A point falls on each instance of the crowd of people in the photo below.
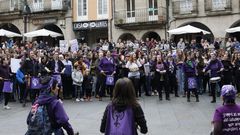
(122, 71)
(191, 68)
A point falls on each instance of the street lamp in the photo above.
(26, 11)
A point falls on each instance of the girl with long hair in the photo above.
(124, 110)
(134, 72)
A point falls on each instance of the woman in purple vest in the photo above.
(5, 76)
(190, 70)
(106, 68)
(226, 117)
(215, 66)
(124, 114)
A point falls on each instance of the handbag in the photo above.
(7, 87)
(192, 83)
(110, 80)
(35, 83)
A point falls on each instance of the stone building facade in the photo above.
(137, 19)
(55, 15)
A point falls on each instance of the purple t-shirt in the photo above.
(229, 115)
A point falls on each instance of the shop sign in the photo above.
(90, 25)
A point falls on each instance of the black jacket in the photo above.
(51, 66)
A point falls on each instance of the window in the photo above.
(130, 10)
(57, 4)
(38, 5)
(186, 6)
(153, 8)
(12, 4)
(102, 9)
(82, 9)
(219, 4)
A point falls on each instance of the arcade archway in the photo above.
(51, 41)
(197, 36)
(151, 35)
(236, 34)
(127, 36)
(13, 28)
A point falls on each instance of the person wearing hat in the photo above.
(227, 117)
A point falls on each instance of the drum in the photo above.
(215, 79)
(7, 87)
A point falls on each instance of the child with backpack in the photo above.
(124, 114)
(77, 78)
(47, 115)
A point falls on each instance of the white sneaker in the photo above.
(6, 107)
(77, 100)
(81, 99)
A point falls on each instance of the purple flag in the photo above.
(7, 87)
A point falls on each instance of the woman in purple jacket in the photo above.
(107, 68)
(56, 112)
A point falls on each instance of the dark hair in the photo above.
(54, 84)
(124, 93)
(228, 101)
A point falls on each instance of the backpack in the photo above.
(39, 121)
(120, 123)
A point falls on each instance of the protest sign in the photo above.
(63, 45)
(74, 45)
(15, 64)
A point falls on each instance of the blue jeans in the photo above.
(180, 80)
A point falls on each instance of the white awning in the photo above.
(9, 33)
(187, 30)
(42, 32)
(233, 30)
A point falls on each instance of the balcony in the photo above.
(185, 8)
(7, 6)
(140, 18)
(218, 7)
(47, 5)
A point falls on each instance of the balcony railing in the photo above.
(9, 6)
(217, 6)
(140, 16)
(185, 7)
(47, 5)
